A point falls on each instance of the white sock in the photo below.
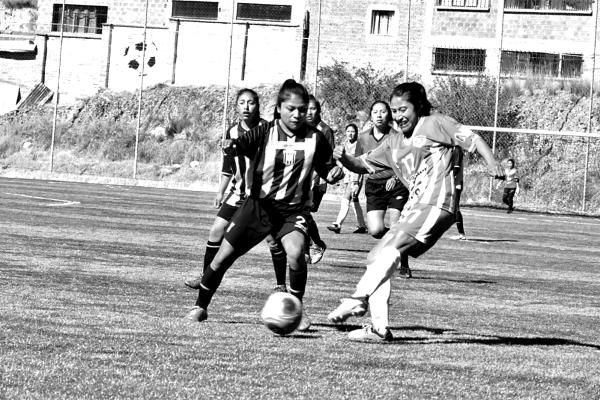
(379, 303)
(344, 207)
(378, 271)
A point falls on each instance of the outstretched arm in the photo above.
(494, 167)
(349, 161)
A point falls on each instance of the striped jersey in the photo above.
(237, 166)
(367, 142)
(425, 160)
(282, 165)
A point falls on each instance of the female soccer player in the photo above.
(384, 192)
(423, 157)
(353, 183)
(511, 184)
(319, 185)
(284, 152)
(235, 170)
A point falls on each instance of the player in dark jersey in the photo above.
(319, 186)
(284, 154)
(234, 170)
(385, 193)
(423, 158)
(458, 181)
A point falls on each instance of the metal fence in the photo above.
(557, 146)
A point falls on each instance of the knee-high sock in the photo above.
(211, 279)
(298, 282)
(378, 271)
(212, 248)
(279, 264)
(344, 207)
(360, 218)
(313, 232)
(379, 303)
(459, 222)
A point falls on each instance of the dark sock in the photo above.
(279, 265)
(313, 233)
(211, 280)
(212, 248)
(298, 283)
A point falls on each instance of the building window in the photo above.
(521, 63)
(381, 22)
(264, 12)
(463, 3)
(195, 9)
(458, 60)
(549, 5)
(79, 19)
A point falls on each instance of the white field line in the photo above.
(58, 202)
(563, 219)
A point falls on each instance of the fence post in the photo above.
(318, 48)
(175, 45)
(107, 74)
(500, 33)
(226, 99)
(407, 41)
(57, 91)
(139, 112)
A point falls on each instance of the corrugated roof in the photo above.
(38, 96)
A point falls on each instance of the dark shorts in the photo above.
(230, 205)
(256, 219)
(380, 199)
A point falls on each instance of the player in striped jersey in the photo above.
(284, 154)
(319, 185)
(234, 171)
(424, 157)
(385, 193)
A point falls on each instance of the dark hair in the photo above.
(416, 95)
(317, 103)
(254, 95)
(511, 160)
(289, 88)
(387, 107)
(353, 125)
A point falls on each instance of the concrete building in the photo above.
(188, 42)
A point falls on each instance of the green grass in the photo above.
(91, 300)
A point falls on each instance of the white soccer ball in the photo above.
(282, 313)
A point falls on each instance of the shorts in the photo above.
(257, 218)
(230, 206)
(380, 199)
(426, 223)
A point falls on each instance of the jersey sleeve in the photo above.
(249, 143)
(227, 168)
(458, 134)
(377, 159)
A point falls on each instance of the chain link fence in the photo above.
(149, 100)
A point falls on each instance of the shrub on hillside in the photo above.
(345, 92)
(19, 3)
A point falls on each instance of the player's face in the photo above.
(351, 134)
(312, 114)
(379, 116)
(293, 112)
(404, 115)
(247, 106)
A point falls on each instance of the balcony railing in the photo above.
(549, 5)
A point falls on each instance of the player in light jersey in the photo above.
(385, 193)
(353, 182)
(511, 185)
(319, 185)
(284, 154)
(234, 171)
(424, 159)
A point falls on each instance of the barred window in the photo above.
(381, 22)
(571, 65)
(79, 19)
(195, 9)
(458, 60)
(549, 5)
(463, 3)
(520, 63)
(264, 12)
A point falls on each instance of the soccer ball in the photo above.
(282, 313)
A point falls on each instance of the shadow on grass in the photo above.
(484, 240)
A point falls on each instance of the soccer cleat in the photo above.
(305, 322)
(361, 229)
(349, 308)
(316, 253)
(335, 227)
(307, 257)
(280, 289)
(368, 333)
(198, 314)
(194, 282)
(460, 236)
(405, 272)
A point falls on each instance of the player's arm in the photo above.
(324, 164)
(349, 161)
(223, 184)
(248, 143)
(494, 167)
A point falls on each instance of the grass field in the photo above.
(92, 300)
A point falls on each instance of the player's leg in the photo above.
(358, 212)
(279, 259)
(397, 201)
(318, 246)
(336, 227)
(505, 197)
(510, 194)
(377, 204)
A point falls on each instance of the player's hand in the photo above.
(391, 183)
(218, 200)
(339, 152)
(495, 169)
(355, 189)
(334, 175)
